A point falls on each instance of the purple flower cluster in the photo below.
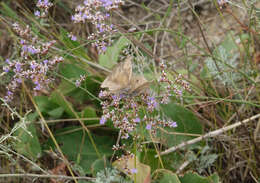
(32, 63)
(43, 6)
(177, 86)
(97, 12)
(124, 111)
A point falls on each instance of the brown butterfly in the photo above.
(122, 80)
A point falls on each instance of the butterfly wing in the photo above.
(120, 76)
(138, 85)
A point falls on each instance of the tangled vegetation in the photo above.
(118, 91)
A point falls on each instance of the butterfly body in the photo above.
(122, 81)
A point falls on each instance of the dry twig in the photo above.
(210, 134)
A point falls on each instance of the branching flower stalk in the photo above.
(97, 12)
(33, 63)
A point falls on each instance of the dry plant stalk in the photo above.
(208, 135)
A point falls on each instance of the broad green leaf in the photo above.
(89, 112)
(195, 178)
(78, 148)
(45, 104)
(169, 177)
(99, 165)
(67, 87)
(147, 156)
(187, 123)
(90, 86)
(171, 161)
(48, 107)
(58, 99)
(56, 113)
(71, 71)
(28, 144)
(109, 59)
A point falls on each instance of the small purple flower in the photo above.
(33, 65)
(107, 3)
(137, 120)
(77, 83)
(102, 120)
(37, 87)
(104, 48)
(22, 41)
(101, 94)
(152, 103)
(114, 97)
(19, 80)
(173, 124)
(73, 38)
(121, 96)
(32, 50)
(85, 2)
(45, 61)
(25, 48)
(37, 13)
(125, 119)
(7, 61)
(125, 136)
(85, 16)
(148, 127)
(9, 93)
(18, 67)
(133, 171)
(101, 29)
(133, 105)
(46, 2)
(6, 69)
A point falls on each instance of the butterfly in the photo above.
(122, 80)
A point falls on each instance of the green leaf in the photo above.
(187, 123)
(89, 112)
(99, 165)
(7, 11)
(71, 71)
(56, 113)
(67, 87)
(169, 177)
(77, 146)
(56, 98)
(90, 85)
(45, 104)
(28, 144)
(195, 178)
(147, 156)
(171, 161)
(109, 59)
